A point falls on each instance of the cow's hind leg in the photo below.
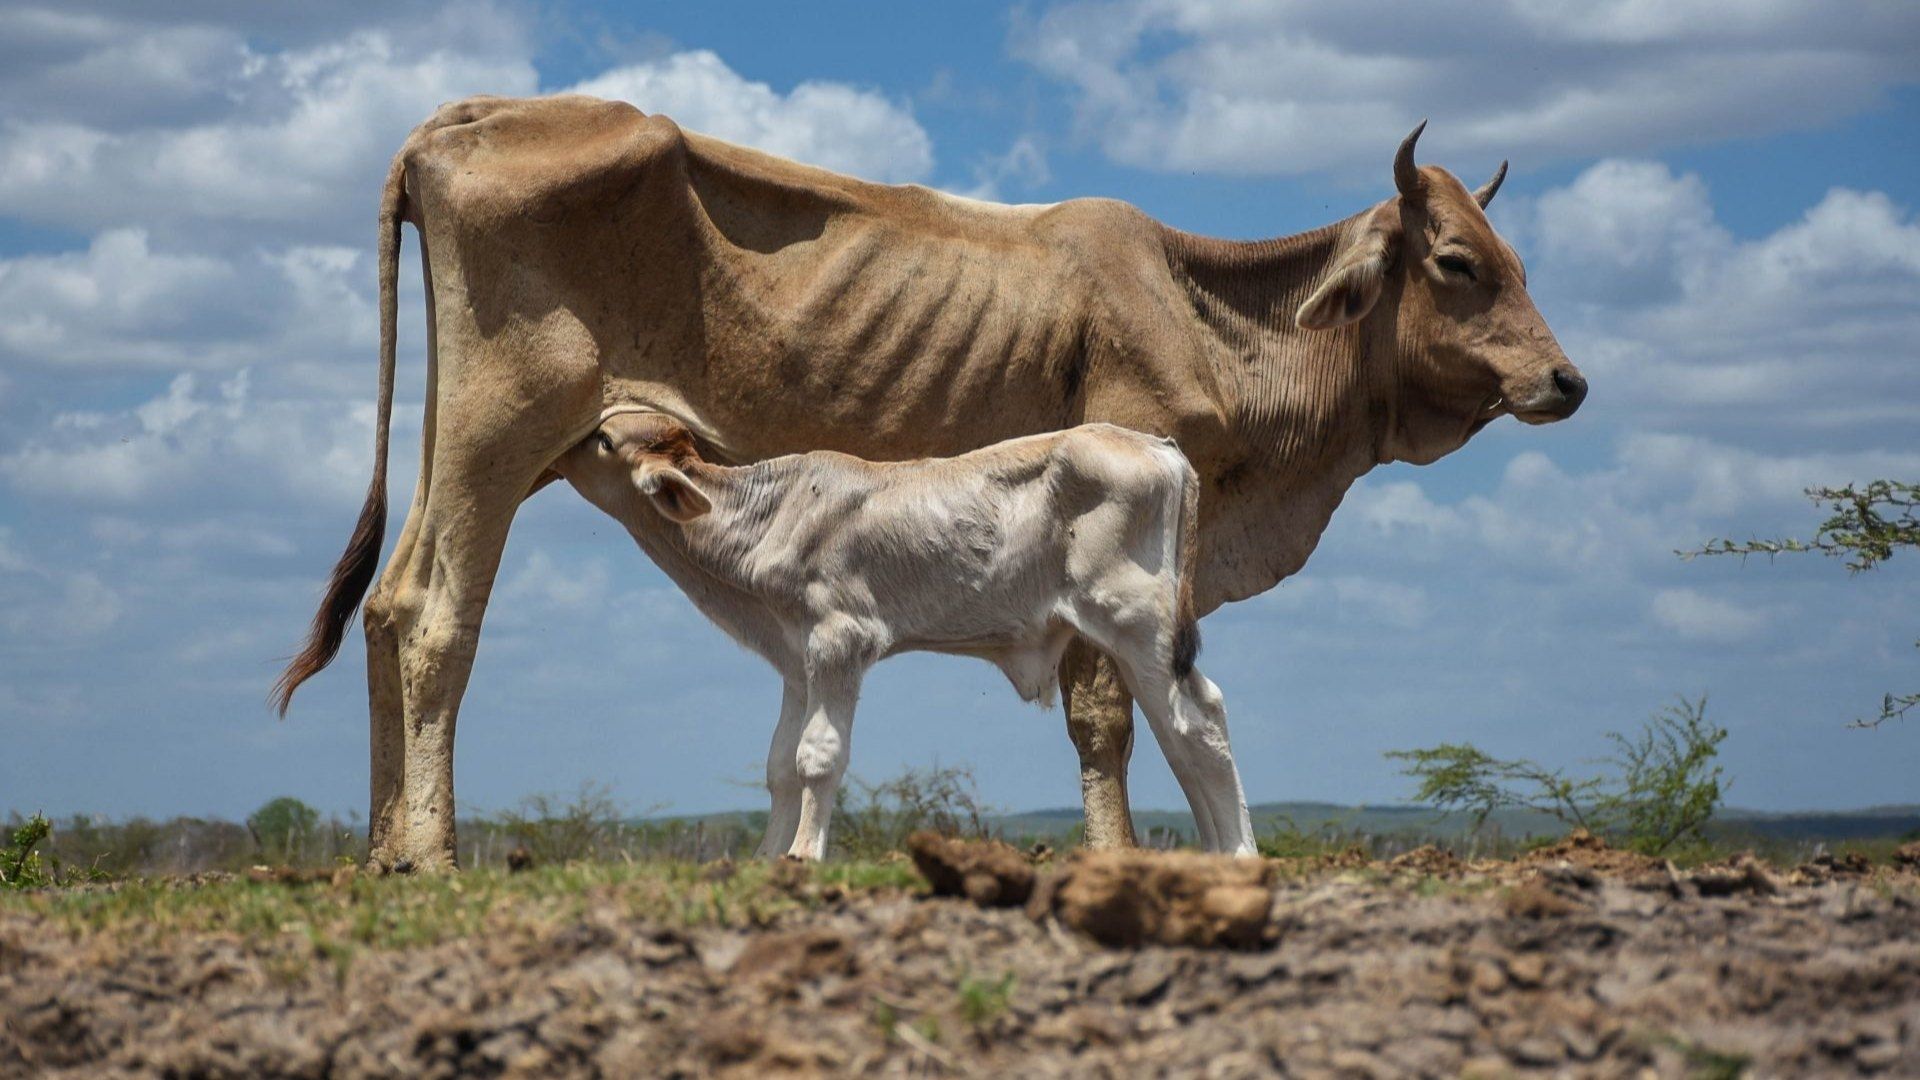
(429, 611)
(1100, 722)
(386, 823)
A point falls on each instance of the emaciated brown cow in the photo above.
(580, 254)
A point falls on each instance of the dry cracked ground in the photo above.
(1576, 961)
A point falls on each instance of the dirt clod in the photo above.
(1429, 860)
(1131, 898)
(1742, 873)
(1529, 900)
(987, 872)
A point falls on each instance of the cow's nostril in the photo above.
(1571, 385)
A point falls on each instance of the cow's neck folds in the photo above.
(1295, 394)
(1309, 407)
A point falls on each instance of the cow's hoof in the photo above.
(382, 863)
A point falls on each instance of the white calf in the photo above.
(826, 564)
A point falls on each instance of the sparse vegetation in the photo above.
(21, 865)
(591, 825)
(1288, 840)
(1663, 791)
(981, 1000)
(1866, 526)
(283, 829)
(873, 820)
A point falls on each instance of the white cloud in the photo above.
(1696, 616)
(125, 303)
(1618, 524)
(1810, 326)
(301, 144)
(1354, 599)
(1290, 86)
(183, 443)
(1023, 165)
(64, 607)
(12, 561)
(829, 124)
(575, 588)
(1628, 231)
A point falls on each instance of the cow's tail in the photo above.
(1186, 626)
(354, 572)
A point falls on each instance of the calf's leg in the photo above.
(1201, 715)
(1100, 722)
(826, 738)
(783, 775)
(1186, 713)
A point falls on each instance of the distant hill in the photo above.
(1876, 822)
(1426, 823)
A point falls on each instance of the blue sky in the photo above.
(1716, 202)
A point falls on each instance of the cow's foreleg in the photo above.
(1100, 722)
(783, 775)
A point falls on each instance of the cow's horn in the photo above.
(1486, 191)
(1405, 176)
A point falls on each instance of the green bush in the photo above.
(1664, 789)
(284, 829)
(21, 866)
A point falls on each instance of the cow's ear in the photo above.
(1352, 285)
(672, 493)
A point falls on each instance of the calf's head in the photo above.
(636, 458)
(1441, 303)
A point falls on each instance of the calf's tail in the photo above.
(1186, 628)
(354, 572)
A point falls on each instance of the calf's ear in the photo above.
(672, 493)
(1352, 284)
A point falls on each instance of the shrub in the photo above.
(1866, 526)
(1664, 790)
(283, 828)
(876, 819)
(21, 866)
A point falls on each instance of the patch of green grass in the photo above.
(402, 912)
(1703, 1062)
(983, 999)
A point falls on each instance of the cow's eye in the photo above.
(1454, 264)
(606, 443)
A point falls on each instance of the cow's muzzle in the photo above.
(1557, 401)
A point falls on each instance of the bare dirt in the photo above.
(1577, 961)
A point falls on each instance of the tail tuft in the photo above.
(345, 588)
(1186, 647)
(1186, 631)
